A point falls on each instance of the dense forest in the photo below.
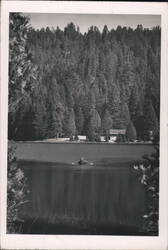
(86, 84)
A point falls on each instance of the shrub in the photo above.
(148, 173)
(76, 137)
(120, 138)
(107, 137)
(98, 138)
(71, 138)
(17, 191)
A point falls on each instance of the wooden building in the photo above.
(114, 134)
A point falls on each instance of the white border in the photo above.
(86, 242)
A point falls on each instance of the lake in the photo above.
(67, 198)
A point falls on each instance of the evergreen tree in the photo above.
(150, 119)
(40, 123)
(131, 132)
(79, 119)
(133, 103)
(21, 80)
(21, 70)
(84, 72)
(70, 127)
(93, 125)
(114, 106)
(106, 124)
(140, 126)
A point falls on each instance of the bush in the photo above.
(76, 137)
(120, 138)
(71, 138)
(17, 191)
(107, 138)
(148, 173)
(98, 137)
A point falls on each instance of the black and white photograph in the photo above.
(84, 108)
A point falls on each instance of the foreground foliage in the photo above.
(17, 191)
(21, 70)
(21, 82)
(148, 173)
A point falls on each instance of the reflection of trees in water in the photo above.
(83, 197)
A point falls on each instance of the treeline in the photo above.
(89, 83)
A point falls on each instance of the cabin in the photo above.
(115, 134)
(82, 137)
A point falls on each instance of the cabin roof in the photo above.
(117, 131)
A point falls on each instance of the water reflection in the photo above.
(83, 199)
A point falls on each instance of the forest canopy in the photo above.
(87, 83)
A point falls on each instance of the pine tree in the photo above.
(150, 119)
(21, 70)
(133, 103)
(79, 119)
(21, 79)
(114, 106)
(70, 126)
(105, 33)
(131, 132)
(116, 67)
(106, 124)
(93, 125)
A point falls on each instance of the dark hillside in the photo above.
(88, 80)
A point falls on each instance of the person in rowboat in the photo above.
(82, 161)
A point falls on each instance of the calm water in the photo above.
(65, 199)
(106, 198)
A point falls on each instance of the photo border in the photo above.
(18, 241)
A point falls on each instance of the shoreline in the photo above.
(82, 142)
